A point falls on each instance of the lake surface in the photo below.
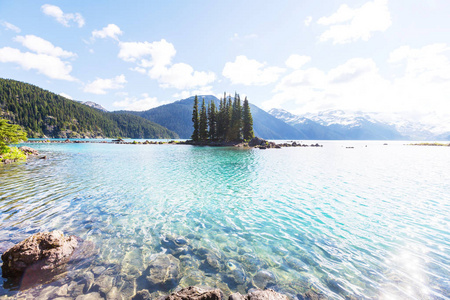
(370, 222)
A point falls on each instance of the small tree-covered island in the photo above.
(230, 124)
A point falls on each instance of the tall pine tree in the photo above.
(203, 126)
(212, 120)
(236, 119)
(195, 119)
(247, 120)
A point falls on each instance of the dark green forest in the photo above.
(230, 122)
(43, 113)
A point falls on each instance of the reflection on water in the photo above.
(371, 222)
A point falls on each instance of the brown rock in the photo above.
(312, 295)
(195, 293)
(28, 150)
(259, 295)
(43, 252)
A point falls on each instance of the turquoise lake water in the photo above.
(370, 222)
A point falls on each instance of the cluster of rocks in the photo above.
(29, 152)
(263, 144)
(43, 260)
(205, 293)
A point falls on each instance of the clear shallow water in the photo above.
(372, 222)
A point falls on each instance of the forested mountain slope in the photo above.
(43, 113)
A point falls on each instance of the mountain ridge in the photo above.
(45, 114)
(339, 124)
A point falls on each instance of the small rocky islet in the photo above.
(51, 265)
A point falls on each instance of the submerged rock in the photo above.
(142, 295)
(312, 295)
(162, 273)
(252, 262)
(175, 245)
(259, 295)
(235, 274)
(195, 293)
(263, 279)
(41, 254)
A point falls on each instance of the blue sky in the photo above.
(303, 56)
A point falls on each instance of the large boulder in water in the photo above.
(195, 293)
(43, 253)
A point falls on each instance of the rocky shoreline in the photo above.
(256, 142)
(29, 152)
(50, 265)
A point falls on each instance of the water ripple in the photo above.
(372, 223)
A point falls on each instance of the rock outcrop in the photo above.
(259, 295)
(195, 293)
(28, 150)
(42, 253)
(256, 141)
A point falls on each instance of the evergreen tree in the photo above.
(219, 123)
(203, 126)
(10, 134)
(228, 118)
(212, 120)
(236, 119)
(195, 118)
(247, 120)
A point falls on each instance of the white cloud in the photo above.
(420, 89)
(250, 72)
(351, 24)
(181, 76)
(206, 90)
(156, 58)
(9, 26)
(160, 52)
(50, 66)
(138, 104)
(66, 96)
(308, 21)
(356, 83)
(61, 17)
(99, 86)
(112, 31)
(139, 70)
(430, 63)
(41, 46)
(296, 61)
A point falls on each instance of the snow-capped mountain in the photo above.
(338, 124)
(95, 105)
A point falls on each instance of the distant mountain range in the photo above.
(340, 125)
